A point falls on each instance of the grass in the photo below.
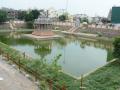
(106, 78)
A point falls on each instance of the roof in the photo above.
(43, 20)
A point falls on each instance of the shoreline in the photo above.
(89, 36)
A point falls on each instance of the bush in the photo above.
(116, 44)
(99, 34)
(29, 17)
(63, 17)
(30, 24)
(21, 15)
(35, 13)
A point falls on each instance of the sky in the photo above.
(89, 7)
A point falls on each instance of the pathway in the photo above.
(11, 79)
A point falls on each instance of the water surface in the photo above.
(79, 56)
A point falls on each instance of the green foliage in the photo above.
(35, 13)
(116, 45)
(43, 85)
(109, 55)
(21, 15)
(29, 17)
(63, 17)
(32, 15)
(99, 34)
(84, 20)
(30, 24)
(106, 78)
(105, 20)
(3, 16)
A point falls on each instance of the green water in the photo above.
(79, 56)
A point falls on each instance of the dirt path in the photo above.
(11, 79)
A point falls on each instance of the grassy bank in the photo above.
(41, 70)
(106, 78)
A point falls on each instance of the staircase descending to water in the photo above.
(73, 29)
(12, 25)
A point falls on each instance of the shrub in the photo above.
(99, 34)
(30, 24)
(29, 17)
(116, 44)
(63, 17)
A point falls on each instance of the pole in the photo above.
(24, 54)
(66, 5)
(81, 82)
(19, 63)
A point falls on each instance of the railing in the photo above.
(33, 73)
(64, 23)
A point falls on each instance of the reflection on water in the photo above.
(79, 56)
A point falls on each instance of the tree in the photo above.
(84, 20)
(21, 15)
(63, 17)
(32, 15)
(29, 20)
(116, 44)
(29, 17)
(105, 20)
(3, 16)
(35, 13)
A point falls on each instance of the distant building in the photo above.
(80, 16)
(96, 19)
(115, 15)
(11, 13)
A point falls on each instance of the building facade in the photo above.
(115, 15)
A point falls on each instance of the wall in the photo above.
(115, 15)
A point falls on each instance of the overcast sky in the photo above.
(90, 7)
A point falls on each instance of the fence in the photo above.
(64, 25)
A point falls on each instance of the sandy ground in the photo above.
(11, 79)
